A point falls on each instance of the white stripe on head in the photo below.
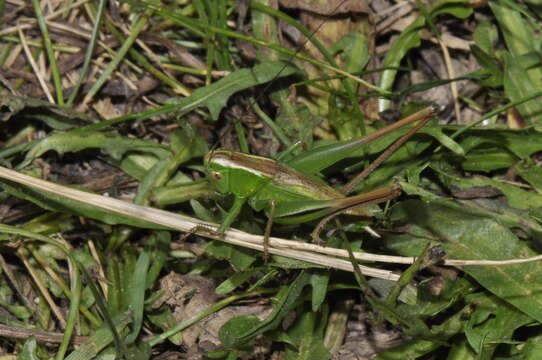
(228, 163)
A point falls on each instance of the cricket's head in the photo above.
(215, 165)
(238, 173)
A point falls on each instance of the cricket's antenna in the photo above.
(277, 75)
(297, 51)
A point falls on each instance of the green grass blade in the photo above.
(104, 309)
(136, 294)
(57, 81)
(89, 52)
(99, 340)
(106, 74)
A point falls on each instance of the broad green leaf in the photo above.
(492, 69)
(239, 258)
(467, 236)
(57, 117)
(157, 174)
(428, 304)
(140, 351)
(455, 8)
(319, 281)
(112, 144)
(409, 39)
(285, 302)
(30, 349)
(188, 137)
(531, 173)
(354, 47)
(532, 349)
(519, 34)
(502, 213)
(136, 165)
(234, 328)
(98, 340)
(201, 211)
(418, 347)
(492, 322)
(165, 320)
(519, 84)
(516, 197)
(185, 145)
(218, 250)
(485, 37)
(443, 139)
(413, 349)
(536, 3)
(159, 246)
(308, 343)
(216, 95)
(63, 204)
(522, 143)
(178, 193)
(324, 155)
(234, 281)
(19, 311)
(488, 160)
(461, 350)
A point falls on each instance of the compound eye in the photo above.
(216, 175)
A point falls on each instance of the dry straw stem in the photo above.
(32, 22)
(35, 67)
(323, 256)
(17, 332)
(188, 224)
(43, 289)
(451, 75)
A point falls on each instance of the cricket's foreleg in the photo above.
(238, 203)
(267, 233)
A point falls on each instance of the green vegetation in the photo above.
(123, 236)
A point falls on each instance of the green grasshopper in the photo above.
(283, 191)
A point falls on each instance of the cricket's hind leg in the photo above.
(267, 233)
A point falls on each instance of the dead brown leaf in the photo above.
(189, 295)
(476, 192)
(106, 109)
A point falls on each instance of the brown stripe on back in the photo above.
(290, 177)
